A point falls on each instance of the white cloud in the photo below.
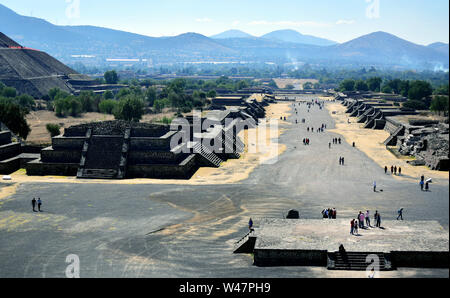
(204, 20)
(235, 23)
(345, 22)
(290, 23)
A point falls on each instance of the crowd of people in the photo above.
(329, 213)
(394, 170)
(362, 221)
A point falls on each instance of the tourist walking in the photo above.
(392, 170)
(343, 162)
(356, 227)
(422, 183)
(352, 227)
(250, 224)
(427, 186)
(400, 214)
(395, 170)
(399, 171)
(374, 186)
(33, 203)
(385, 170)
(39, 203)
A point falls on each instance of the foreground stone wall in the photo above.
(275, 258)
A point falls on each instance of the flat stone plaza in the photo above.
(184, 230)
(328, 235)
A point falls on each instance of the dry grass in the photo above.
(39, 119)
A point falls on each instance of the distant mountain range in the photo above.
(69, 43)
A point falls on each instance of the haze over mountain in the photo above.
(69, 43)
(296, 37)
(440, 46)
(232, 34)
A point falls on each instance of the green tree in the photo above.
(212, 94)
(439, 104)
(419, 90)
(53, 129)
(160, 104)
(289, 87)
(53, 92)
(361, 86)
(111, 77)
(130, 108)
(374, 83)
(442, 90)
(108, 95)
(86, 99)
(415, 105)
(9, 92)
(347, 85)
(107, 106)
(25, 101)
(150, 95)
(308, 86)
(13, 116)
(386, 89)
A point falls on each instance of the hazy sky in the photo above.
(420, 21)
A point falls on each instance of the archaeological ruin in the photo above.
(120, 149)
(410, 134)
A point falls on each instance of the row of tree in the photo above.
(13, 110)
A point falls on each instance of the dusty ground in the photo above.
(179, 230)
(39, 119)
(297, 83)
(371, 141)
(231, 171)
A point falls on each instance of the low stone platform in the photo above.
(308, 242)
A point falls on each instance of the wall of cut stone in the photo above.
(274, 257)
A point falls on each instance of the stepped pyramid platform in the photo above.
(284, 242)
(11, 156)
(119, 149)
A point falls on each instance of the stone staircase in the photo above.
(207, 154)
(392, 140)
(356, 261)
(104, 157)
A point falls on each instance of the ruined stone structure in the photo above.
(11, 156)
(427, 141)
(119, 149)
(373, 112)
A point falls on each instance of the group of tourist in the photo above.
(394, 170)
(329, 213)
(337, 141)
(37, 202)
(362, 221)
(341, 161)
(424, 185)
(306, 141)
